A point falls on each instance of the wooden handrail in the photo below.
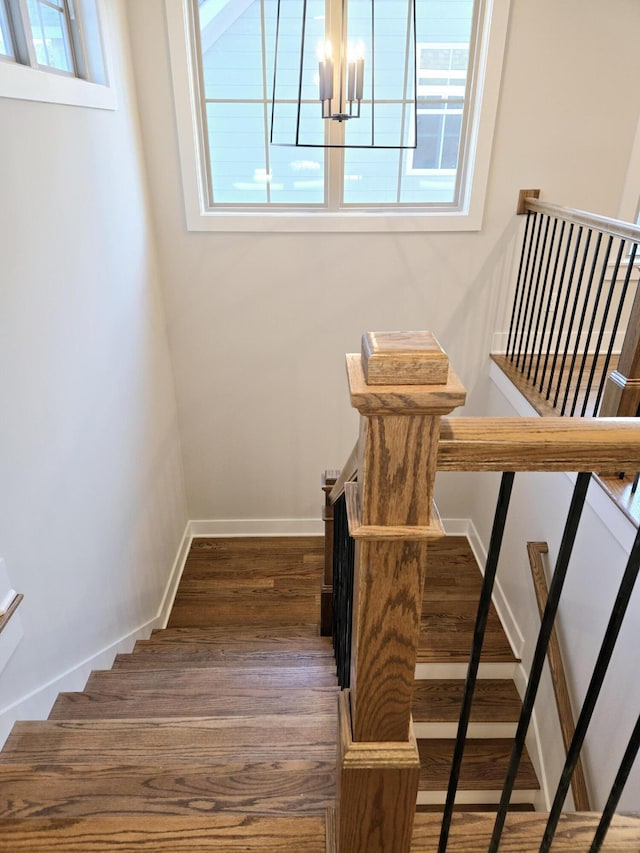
(348, 472)
(4, 619)
(539, 444)
(615, 227)
(535, 550)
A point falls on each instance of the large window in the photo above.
(229, 46)
(59, 37)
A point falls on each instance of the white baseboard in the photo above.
(227, 527)
(466, 527)
(37, 704)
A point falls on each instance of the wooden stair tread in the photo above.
(112, 682)
(81, 790)
(440, 700)
(470, 833)
(194, 610)
(175, 739)
(226, 833)
(452, 589)
(176, 703)
(484, 765)
(264, 635)
(158, 658)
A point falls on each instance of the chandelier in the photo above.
(344, 74)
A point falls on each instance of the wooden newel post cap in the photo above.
(403, 358)
(402, 373)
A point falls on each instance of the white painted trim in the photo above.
(466, 527)
(257, 527)
(438, 798)
(37, 703)
(475, 730)
(25, 83)
(200, 218)
(534, 745)
(427, 671)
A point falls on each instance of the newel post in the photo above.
(401, 384)
(622, 390)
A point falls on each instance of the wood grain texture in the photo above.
(388, 582)
(174, 740)
(402, 399)
(155, 658)
(484, 765)
(397, 469)
(222, 833)
(440, 700)
(206, 703)
(82, 790)
(470, 833)
(377, 789)
(111, 683)
(403, 358)
(535, 550)
(539, 444)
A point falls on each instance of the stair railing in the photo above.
(535, 550)
(391, 518)
(576, 294)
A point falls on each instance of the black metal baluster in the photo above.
(549, 294)
(526, 320)
(495, 544)
(618, 787)
(594, 311)
(518, 296)
(616, 323)
(343, 565)
(535, 300)
(558, 296)
(540, 654)
(601, 333)
(600, 670)
(572, 317)
(565, 306)
(583, 315)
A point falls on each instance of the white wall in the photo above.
(92, 505)
(259, 324)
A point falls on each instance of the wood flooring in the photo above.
(219, 732)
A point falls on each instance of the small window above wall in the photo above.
(239, 174)
(53, 51)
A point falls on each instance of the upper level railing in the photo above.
(574, 333)
(391, 518)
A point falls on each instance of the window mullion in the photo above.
(78, 47)
(21, 31)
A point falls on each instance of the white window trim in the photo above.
(25, 83)
(200, 218)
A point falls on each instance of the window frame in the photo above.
(22, 77)
(188, 99)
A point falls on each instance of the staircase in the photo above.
(219, 732)
(452, 589)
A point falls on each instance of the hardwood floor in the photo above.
(223, 726)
